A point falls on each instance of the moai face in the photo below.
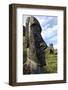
(36, 42)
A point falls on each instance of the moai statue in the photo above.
(51, 49)
(35, 45)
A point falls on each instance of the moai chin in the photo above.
(35, 42)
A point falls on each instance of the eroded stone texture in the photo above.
(35, 46)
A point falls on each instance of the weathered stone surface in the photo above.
(24, 46)
(35, 46)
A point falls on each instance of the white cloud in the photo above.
(55, 46)
(50, 35)
(49, 32)
(44, 19)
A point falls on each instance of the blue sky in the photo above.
(49, 26)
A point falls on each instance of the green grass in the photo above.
(51, 63)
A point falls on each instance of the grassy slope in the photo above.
(51, 63)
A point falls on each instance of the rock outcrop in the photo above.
(35, 46)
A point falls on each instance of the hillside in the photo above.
(51, 62)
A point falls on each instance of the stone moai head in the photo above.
(35, 42)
